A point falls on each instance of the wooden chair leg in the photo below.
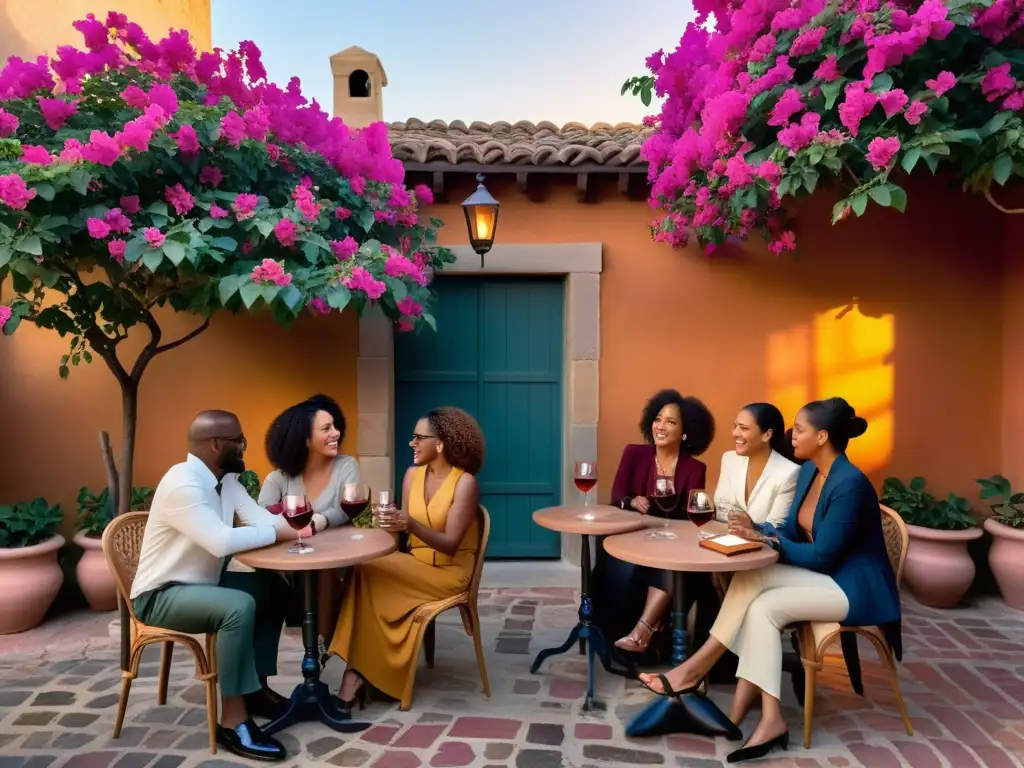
(165, 671)
(122, 702)
(479, 648)
(809, 679)
(211, 712)
(429, 641)
(889, 660)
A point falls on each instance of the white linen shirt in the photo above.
(190, 528)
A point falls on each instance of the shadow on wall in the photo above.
(11, 40)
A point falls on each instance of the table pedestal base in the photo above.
(311, 699)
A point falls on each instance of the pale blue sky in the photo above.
(558, 60)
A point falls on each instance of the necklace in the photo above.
(662, 472)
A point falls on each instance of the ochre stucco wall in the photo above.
(1013, 347)
(242, 363)
(718, 327)
(29, 28)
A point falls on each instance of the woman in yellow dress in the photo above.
(440, 497)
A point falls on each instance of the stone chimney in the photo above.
(359, 82)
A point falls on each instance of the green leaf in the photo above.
(997, 122)
(5, 255)
(859, 202)
(810, 180)
(228, 287)
(899, 197)
(158, 208)
(174, 251)
(264, 227)
(206, 224)
(881, 195)
(364, 219)
(839, 209)
(831, 92)
(134, 250)
(80, 181)
(881, 83)
(250, 292)
(338, 297)
(51, 221)
(910, 158)
(398, 289)
(45, 190)
(291, 296)
(228, 244)
(645, 95)
(932, 162)
(1002, 168)
(30, 244)
(152, 259)
(429, 320)
(918, 483)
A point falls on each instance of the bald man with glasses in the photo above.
(182, 584)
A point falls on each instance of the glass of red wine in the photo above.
(700, 508)
(664, 498)
(298, 512)
(354, 498)
(585, 477)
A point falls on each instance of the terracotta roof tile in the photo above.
(522, 143)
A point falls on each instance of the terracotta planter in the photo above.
(94, 577)
(30, 578)
(1006, 559)
(939, 569)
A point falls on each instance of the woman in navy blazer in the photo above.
(832, 566)
(631, 601)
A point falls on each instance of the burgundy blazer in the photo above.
(637, 470)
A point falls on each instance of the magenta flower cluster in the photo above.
(762, 96)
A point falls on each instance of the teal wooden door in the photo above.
(497, 354)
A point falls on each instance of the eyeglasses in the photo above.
(239, 439)
(419, 438)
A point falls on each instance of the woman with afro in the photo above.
(440, 498)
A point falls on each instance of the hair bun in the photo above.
(858, 426)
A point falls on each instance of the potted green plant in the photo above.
(94, 513)
(30, 576)
(1006, 557)
(939, 569)
(251, 482)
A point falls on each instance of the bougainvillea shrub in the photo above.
(137, 174)
(767, 99)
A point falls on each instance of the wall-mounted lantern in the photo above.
(481, 218)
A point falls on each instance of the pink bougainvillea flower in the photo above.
(232, 129)
(257, 122)
(244, 206)
(180, 198)
(796, 136)
(163, 95)
(342, 213)
(8, 124)
(134, 96)
(404, 325)
(35, 155)
(358, 184)
(154, 237)
(117, 221)
(72, 152)
(273, 152)
(881, 151)
(399, 197)
(763, 46)
(942, 82)
(285, 232)
(98, 228)
(102, 149)
(424, 194)
(915, 112)
(791, 103)
(410, 307)
(362, 280)
(828, 70)
(130, 204)
(738, 171)
(188, 140)
(807, 41)
(56, 112)
(1014, 102)
(998, 82)
(318, 306)
(769, 171)
(270, 271)
(116, 250)
(785, 242)
(216, 212)
(344, 249)
(893, 101)
(858, 104)
(5, 314)
(305, 203)
(211, 175)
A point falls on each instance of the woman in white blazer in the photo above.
(757, 479)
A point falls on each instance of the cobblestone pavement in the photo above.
(963, 679)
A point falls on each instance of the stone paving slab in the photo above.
(963, 679)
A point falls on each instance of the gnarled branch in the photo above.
(187, 337)
(987, 192)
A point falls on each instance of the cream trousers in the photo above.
(759, 604)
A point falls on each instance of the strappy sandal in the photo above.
(667, 690)
(633, 643)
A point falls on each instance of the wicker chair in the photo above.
(122, 543)
(466, 603)
(819, 635)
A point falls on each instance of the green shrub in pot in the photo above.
(30, 576)
(1006, 556)
(95, 510)
(918, 507)
(29, 523)
(1008, 508)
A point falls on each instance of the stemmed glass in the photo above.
(298, 513)
(354, 498)
(700, 508)
(585, 477)
(664, 498)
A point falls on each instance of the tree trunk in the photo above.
(129, 415)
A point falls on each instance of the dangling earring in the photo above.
(440, 447)
(683, 438)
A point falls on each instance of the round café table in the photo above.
(694, 713)
(334, 548)
(587, 521)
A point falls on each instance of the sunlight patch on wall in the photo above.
(840, 353)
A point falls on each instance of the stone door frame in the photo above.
(580, 264)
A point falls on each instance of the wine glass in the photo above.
(298, 513)
(663, 498)
(354, 498)
(585, 477)
(700, 508)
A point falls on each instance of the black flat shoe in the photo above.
(247, 740)
(361, 697)
(266, 704)
(668, 691)
(753, 753)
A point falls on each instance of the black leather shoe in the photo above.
(266, 704)
(753, 753)
(247, 740)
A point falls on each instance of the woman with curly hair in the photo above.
(440, 497)
(632, 601)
